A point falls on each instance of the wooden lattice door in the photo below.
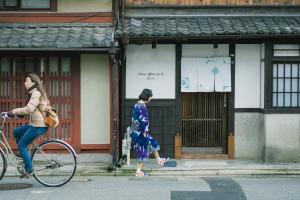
(60, 78)
(204, 122)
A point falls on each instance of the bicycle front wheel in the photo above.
(3, 164)
(54, 163)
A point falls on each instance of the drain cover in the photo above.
(14, 186)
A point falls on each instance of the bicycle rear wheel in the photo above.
(54, 163)
(3, 164)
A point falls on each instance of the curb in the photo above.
(218, 172)
(167, 172)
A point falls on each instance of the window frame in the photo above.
(270, 60)
(281, 89)
(74, 77)
(53, 7)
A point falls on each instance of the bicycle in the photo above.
(54, 160)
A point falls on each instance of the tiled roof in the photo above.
(211, 26)
(55, 35)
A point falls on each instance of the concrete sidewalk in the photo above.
(100, 164)
(216, 168)
(190, 168)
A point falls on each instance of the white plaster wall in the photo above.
(247, 76)
(282, 137)
(84, 6)
(160, 62)
(204, 50)
(95, 101)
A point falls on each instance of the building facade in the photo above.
(225, 76)
(70, 45)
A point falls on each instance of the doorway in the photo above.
(204, 122)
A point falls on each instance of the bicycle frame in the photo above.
(42, 158)
(9, 154)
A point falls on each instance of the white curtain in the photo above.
(210, 74)
(205, 75)
(223, 77)
(189, 77)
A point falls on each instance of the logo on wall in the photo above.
(215, 71)
(151, 75)
(185, 82)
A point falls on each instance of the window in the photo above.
(286, 76)
(25, 4)
(286, 50)
(286, 85)
(59, 75)
(35, 3)
(8, 3)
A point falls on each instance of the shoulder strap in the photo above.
(47, 105)
(46, 99)
(41, 112)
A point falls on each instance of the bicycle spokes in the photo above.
(54, 163)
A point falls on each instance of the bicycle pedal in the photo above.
(25, 175)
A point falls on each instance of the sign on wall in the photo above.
(152, 68)
(210, 74)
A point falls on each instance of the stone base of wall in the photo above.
(267, 137)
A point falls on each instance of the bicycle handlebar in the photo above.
(4, 117)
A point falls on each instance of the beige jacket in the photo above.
(35, 102)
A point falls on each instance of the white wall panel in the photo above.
(247, 76)
(84, 6)
(150, 68)
(95, 100)
(205, 50)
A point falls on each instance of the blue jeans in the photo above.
(24, 136)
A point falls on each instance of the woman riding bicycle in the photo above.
(35, 108)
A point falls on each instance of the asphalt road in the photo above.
(160, 188)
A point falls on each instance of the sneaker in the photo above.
(27, 174)
(162, 161)
(140, 174)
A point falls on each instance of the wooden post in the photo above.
(178, 146)
(231, 146)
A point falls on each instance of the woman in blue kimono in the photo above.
(144, 144)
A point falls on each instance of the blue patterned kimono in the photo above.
(144, 144)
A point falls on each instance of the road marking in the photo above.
(221, 188)
(40, 192)
(153, 178)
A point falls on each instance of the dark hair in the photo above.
(35, 78)
(146, 94)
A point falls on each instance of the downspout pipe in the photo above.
(113, 51)
(123, 16)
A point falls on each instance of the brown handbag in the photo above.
(51, 117)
